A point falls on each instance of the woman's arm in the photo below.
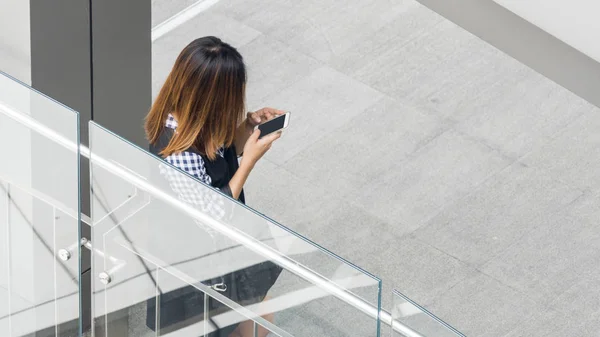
(254, 149)
(236, 184)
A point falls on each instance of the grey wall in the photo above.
(122, 76)
(15, 52)
(60, 49)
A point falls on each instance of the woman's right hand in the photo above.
(255, 148)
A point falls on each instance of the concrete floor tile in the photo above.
(164, 9)
(417, 269)
(404, 263)
(272, 67)
(551, 323)
(410, 192)
(525, 118)
(325, 317)
(322, 29)
(445, 68)
(572, 156)
(267, 13)
(396, 70)
(482, 83)
(405, 27)
(166, 49)
(482, 306)
(496, 214)
(315, 212)
(553, 257)
(587, 208)
(301, 205)
(361, 150)
(330, 32)
(320, 103)
(357, 237)
(582, 299)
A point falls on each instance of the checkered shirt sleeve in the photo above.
(191, 163)
(202, 197)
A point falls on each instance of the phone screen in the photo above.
(271, 126)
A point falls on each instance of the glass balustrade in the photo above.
(171, 256)
(174, 256)
(39, 214)
(412, 320)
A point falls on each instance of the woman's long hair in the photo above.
(205, 91)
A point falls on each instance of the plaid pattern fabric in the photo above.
(171, 122)
(193, 193)
(190, 163)
(187, 189)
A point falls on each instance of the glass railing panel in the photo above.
(223, 318)
(412, 320)
(122, 285)
(147, 215)
(39, 214)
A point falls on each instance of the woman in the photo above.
(196, 124)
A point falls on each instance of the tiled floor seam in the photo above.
(383, 96)
(252, 40)
(448, 124)
(553, 305)
(335, 197)
(292, 83)
(353, 73)
(472, 270)
(518, 291)
(441, 251)
(474, 189)
(456, 284)
(481, 266)
(269, 36)
(487, 144)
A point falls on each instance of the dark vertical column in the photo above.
(122, 88)
(122, 78)
(95, 57)
(60, 54)
(61, 68)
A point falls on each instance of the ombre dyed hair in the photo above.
(205, 91)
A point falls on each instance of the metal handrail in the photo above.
(247, 241)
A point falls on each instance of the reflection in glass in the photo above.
(149, 216)
(39, 214)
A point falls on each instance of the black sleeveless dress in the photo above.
(185, 306)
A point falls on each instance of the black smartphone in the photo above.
(278, 123)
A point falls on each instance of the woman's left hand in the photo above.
(260, 116)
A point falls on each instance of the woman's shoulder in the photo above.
(192, 163)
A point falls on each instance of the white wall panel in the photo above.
(15, 39)
(575, 22)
